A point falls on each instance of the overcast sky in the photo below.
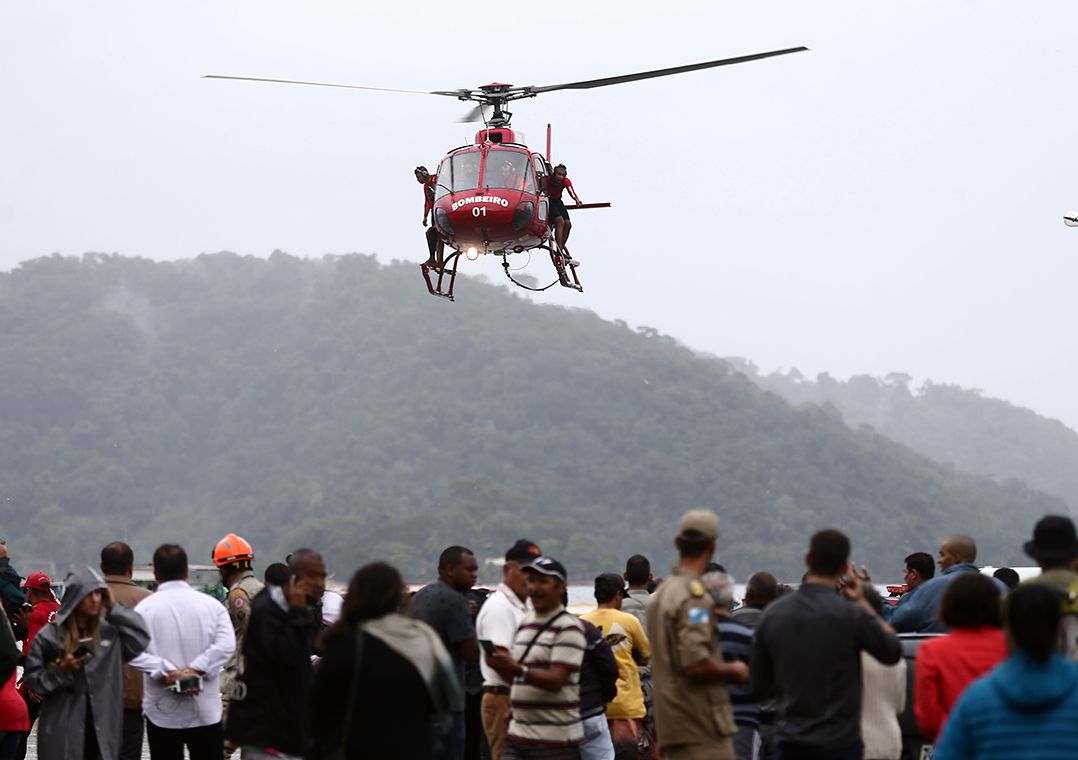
(889, 201)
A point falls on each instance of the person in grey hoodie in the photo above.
(75, 665)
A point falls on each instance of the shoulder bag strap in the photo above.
(349, 708)
(539, 633)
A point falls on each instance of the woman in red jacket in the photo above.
(975, 645)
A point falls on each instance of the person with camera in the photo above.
(75, 670)
(191, 640)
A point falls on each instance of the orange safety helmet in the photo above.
(231, 549)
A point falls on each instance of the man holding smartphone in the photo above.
(497, 626)
(268, 715)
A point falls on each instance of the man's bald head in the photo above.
(956, 550)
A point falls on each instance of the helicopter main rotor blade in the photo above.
(606, 81)
(474, 115)
(327, 84)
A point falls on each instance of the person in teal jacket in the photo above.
(1026, 707)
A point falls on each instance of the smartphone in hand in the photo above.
(488, 646)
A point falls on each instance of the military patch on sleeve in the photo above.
(698, 615)
(239, 602)
(697, 588)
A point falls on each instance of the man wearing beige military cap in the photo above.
(693, 716)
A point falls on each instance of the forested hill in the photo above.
(334, 403)
(981, 435)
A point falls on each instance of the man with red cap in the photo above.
(38, 588)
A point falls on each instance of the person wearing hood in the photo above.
(75, 665)
(386, 681)
(1027, 707)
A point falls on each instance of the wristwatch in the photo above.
(524, 673)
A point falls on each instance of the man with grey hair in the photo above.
(957, 555)
(735, 639)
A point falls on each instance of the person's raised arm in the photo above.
(134, 635)
(572, 191)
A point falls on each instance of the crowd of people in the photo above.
(660, 670)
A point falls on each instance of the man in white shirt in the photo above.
(191, 637)
(497, 622)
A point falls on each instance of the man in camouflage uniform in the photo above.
(694, 718)
(233, 557)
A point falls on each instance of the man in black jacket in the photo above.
(268, 716)
(806, 653)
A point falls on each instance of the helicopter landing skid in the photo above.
(448, 268)
(566, 274)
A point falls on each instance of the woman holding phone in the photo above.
(75, 669)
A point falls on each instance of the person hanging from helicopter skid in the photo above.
(559, 215)
(435, 244)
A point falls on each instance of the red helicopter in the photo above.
(492, 196)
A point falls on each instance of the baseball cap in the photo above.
(38, 581)
(698, 525)
(522, 551)
(547, 566)
(609, 584)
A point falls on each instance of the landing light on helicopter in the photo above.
(472, 254)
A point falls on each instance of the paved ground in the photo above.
(31, 747)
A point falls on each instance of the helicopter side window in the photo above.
(458, 173)
(508, 170)
(540, 174)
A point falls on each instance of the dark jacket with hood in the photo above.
(123, 635)
(1021, 709)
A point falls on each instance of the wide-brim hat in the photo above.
(1054, 540)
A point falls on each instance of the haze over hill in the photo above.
(333, 403)
(982, 435)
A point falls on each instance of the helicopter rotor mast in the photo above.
(496, 95)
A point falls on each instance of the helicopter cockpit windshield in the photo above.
(459, 172)
(508, 170)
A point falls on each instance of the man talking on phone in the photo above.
(268, 716)
(191, 639)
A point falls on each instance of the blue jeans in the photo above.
(597, 744)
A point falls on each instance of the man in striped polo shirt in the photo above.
(544, 668)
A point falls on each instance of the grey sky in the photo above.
(891, 200)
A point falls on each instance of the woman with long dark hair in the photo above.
(386, 682)
(75, 666)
